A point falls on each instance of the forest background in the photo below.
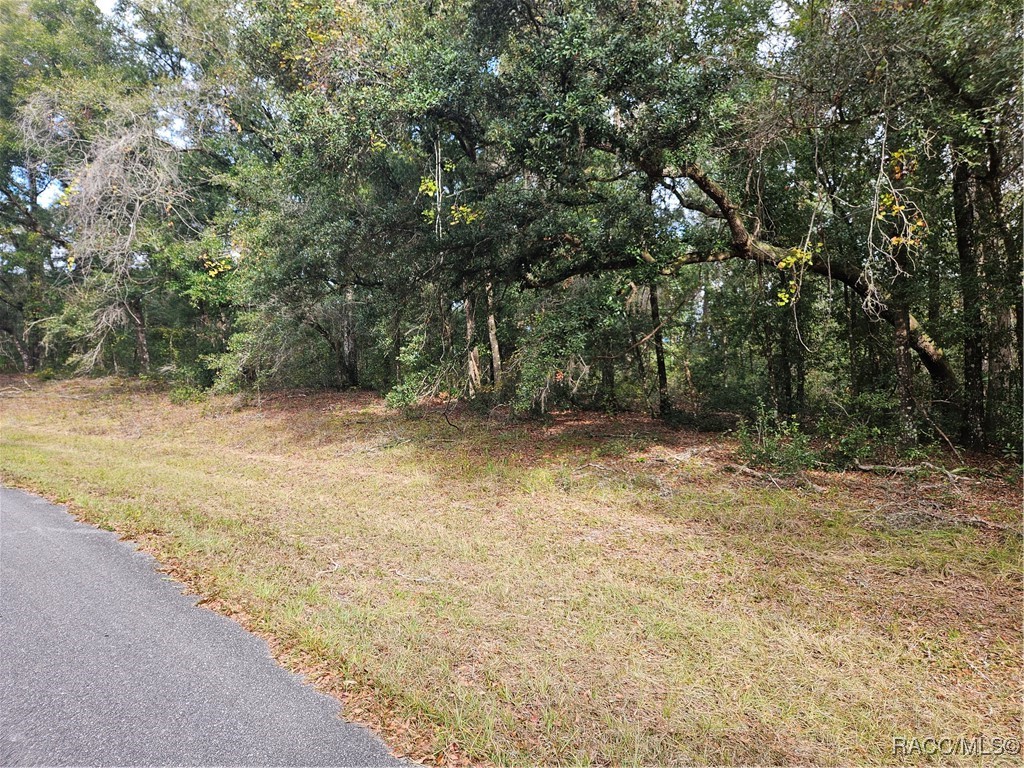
(803, 213)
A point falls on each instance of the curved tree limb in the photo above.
(744, 246)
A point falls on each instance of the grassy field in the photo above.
(588, 591)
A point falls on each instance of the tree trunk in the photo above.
(971, 428)
(638, 356)
(141, 344)
(26, 360)
(664, 405)
(801, 380)
(784, 372)
(904, 381)
(934, 305)
(492, 335)
(1005, 342)
(472, 354)
(851, 343)
(1000, 371)
(608, 380)
(1010, 234)
(768, 350)
(444, 311)
(349, 362)
(396, 349)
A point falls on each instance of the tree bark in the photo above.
(971, 428)
(664, 404)
(1000, 391)
(349, 362)
(26, 360)
(801, 380)
(472, 354)
(396, 348)
(904, 381)
(444, 312)
(1006, 341)
(492, 335)
(638, 355)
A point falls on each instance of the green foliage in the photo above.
(184, 394)
(561, 342)
(270, 352)
(776, 444)
(1008, 435)
(476, 198)
(854, 444)
(859, 430)
(403, 395)
(419, 373)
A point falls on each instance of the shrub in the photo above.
(186, 393)
(851, 444)
(404, 394)
(775, 444)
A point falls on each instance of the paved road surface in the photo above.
(104, 662)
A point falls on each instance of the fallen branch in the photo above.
(677, 458)
(743, 469)
(449, 406)
(979, 522)
(971, 522)
(904, 470)
(335, 565)
(798, 479)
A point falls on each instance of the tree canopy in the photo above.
(697, 208)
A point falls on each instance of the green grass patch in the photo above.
(537, 595)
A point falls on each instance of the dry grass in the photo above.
(591, 591)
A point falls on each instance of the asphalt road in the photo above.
(103, 661)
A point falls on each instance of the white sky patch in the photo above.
(174, 131)
(106, 6)
(51, 194)
(778, 40)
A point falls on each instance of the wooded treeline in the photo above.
(686, 207)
